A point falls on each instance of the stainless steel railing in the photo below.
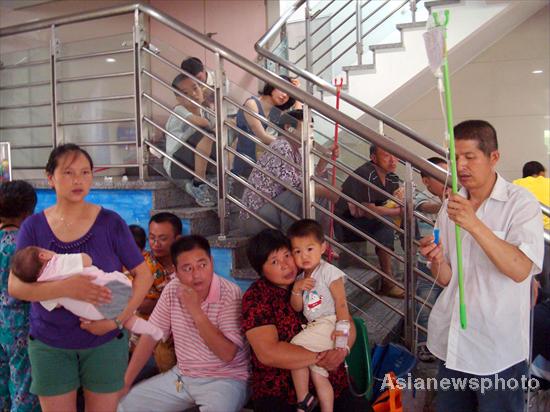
(314, 80)
(143, 120)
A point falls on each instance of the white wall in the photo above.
(499, 86)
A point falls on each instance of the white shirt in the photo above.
(178, 128)
(318, 302)
(497, 333)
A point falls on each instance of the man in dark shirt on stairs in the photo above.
(380, 172)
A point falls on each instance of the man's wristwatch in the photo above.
(118, 324)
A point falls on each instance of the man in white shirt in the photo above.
(502, 247)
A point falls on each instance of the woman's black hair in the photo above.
(62, 150)
(268, 89)
(17, 199)
(262, 245)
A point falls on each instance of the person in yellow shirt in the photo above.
(535, 180)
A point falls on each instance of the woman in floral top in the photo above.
(269, 323)
(17, 201)
(285, 165)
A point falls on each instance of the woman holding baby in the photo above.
(67, 352)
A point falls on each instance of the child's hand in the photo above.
(189, 299)
(97, 327)
(304, 284)
(399, 193)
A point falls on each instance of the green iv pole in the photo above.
(450, 131)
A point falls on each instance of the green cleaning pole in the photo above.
(450, 130)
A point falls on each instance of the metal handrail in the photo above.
(362, 37)
(178, 92)
(223, 54)
(26, 64)
(319, 12)
(24, 85)
(546, 212)
(93, 55)
(95, 99)
(177, 139)
(24, 106)
(545, 209)
(182, 119)
(176, 68)
(265, 76)
(94, 77)
(326, 86)
(179, 164)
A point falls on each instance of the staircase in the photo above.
(136, 127)
(391, 33)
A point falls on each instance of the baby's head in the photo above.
(308, 243)
(27, 263)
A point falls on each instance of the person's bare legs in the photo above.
(104, 402)
(388, 288)
(204, 147)
(300, 378)
(324, 390)
(65, 402)
(385, 261)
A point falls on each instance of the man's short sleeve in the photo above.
(331, 273)
(229, 319)
(526, 230)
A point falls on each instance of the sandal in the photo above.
(307, 404)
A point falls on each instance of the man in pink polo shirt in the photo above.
(203, 312)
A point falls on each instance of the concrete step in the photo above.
(235, 243)
(130, 198)
(245, 274)
(359, 68)
(412, 25)
(386, 46)
(383, 324)
(196, 220)
(183, 198)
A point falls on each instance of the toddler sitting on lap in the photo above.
(34, 264)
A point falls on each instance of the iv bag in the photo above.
(434, 41)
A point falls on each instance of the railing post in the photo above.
(410, 256)
(413, 10)
(309, 59)
(221, 140)
(359, 32)
(308, 184)
(138, 42)
(54, 49)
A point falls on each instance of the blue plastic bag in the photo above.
(390, 358)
